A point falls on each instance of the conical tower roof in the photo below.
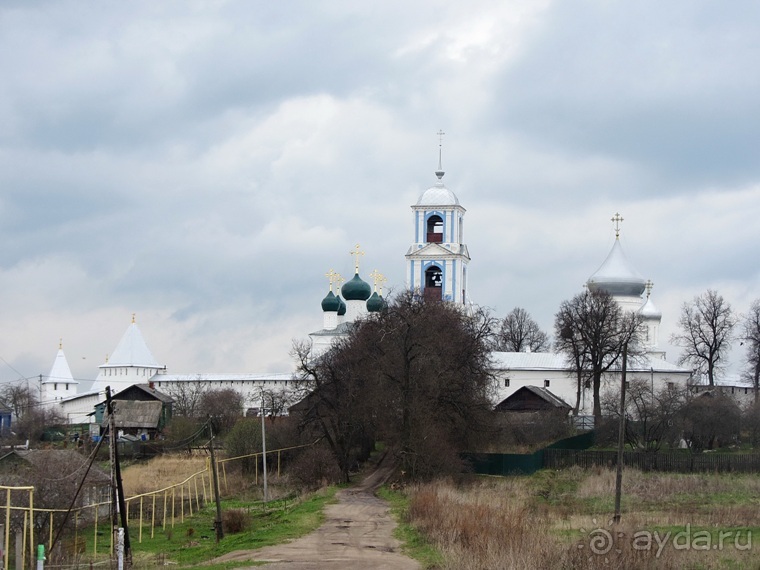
(132, 351)
(60, 371)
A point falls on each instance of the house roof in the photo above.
(147, 389)
(137, 413)
(542, 393)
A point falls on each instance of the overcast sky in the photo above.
(204, 164)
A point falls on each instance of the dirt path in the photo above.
(357, 533)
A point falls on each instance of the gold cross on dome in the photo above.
(338, 279)
(379, 279)
(356, 253)
(440, 134)
(331, 277)
(617, 218)
(648, 286)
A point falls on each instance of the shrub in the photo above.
(236, 520)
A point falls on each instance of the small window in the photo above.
(627, 384)
(671, 385)
(506, 382)
(547, 383)
(55, 386)
(746, 390)
(732, 389)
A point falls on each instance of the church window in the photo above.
(55, 386)
(435, 229)
(547, 383)
(506, 382)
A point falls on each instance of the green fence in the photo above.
(573, 451)
(523, 463)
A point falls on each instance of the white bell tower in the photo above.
(436, 263)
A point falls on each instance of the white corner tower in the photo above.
(131, 363)
(436, 263)
(60, 383)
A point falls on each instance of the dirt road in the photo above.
(357, 533)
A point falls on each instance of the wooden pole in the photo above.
(621, 440)
(215, 475)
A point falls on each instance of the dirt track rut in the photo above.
(357, 533)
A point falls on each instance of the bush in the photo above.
(236, 520)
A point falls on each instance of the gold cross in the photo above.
(338, 279)
(133, 318)
(356, 253)
(379, 278)
(617, 218)
(648, 285)
(331, 277)
(440, 134)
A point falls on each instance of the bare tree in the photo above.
(652, 415)
(751, 336)
(519, 333)
(334, 400)
(710, 420)
(20, 398)
(707, 325)
(592, 330)
(224, 405)
(417, 373)
(187, 397)
(429, 362)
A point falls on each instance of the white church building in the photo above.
(552, 371)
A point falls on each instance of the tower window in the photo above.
(547, 383)
(433, 283)
(435, 229)
(506, 382)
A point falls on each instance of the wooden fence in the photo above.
(146, 512)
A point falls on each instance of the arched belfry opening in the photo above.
(434, 283)
(435, 229)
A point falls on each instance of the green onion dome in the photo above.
(375, 303)
(356, 289)
(330, 303)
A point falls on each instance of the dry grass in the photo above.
(562, 520)
(160, 472)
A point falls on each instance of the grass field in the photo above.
(552, 519)
(562, 519)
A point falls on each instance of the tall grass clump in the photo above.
(485, 526)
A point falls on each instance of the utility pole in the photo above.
(117, 489)
(264, 445)
(621, 440)
(215, 474)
